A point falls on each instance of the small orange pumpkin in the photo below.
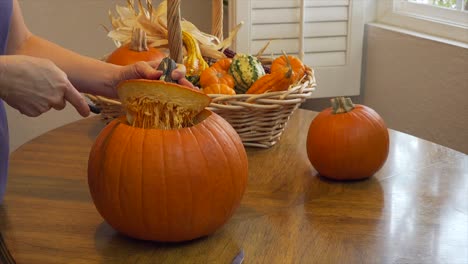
(217, 73)
(135, 51)
(285, 70)
(164, 182)
(219, 88)
(347, 141)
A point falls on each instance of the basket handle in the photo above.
(217, 11)
(174, 28)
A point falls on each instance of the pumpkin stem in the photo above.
(288, 64)
(341, 105)
(139, 41)
(167, 65)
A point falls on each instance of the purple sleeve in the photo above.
(5, 14)
(4, 150)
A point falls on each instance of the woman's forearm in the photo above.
(86, 74)
(40, 74)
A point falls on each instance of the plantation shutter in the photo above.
(326, 34)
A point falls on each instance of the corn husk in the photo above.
(154, 22)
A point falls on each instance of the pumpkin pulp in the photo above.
(148, 112)
(161, 105)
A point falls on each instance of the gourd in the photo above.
(218, 73)
(347, 141)
(285, 71)
(194, 62)
(245, 69)
(219, 88)
(135, 51)
(291, 64)
(175, 172)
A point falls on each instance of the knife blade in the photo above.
(239, 258)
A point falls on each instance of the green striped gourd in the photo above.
(245, 69)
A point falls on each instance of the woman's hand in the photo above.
(33, 86)
(146, 70)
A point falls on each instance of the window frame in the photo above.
(426, 19)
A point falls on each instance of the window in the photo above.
(450, 4)
(440, 18)
(446, 11)
(326, 34)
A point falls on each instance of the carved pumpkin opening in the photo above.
(161, 105)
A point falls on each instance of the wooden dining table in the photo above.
(413, 210)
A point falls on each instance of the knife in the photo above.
(5, 256)
(94, 109)
(239, 258)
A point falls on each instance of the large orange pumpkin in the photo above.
(135, 51)
(347, 141)
(178, 182)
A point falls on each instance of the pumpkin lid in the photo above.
(159, 104)
(163, 92)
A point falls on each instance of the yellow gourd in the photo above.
(194, 62)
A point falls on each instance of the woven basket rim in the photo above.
(303, 90)
(307, 86)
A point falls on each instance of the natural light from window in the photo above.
(444, 20)
(444, 11)
(460, 5)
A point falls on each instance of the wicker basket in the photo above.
(258, 119)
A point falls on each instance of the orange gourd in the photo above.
(286, 63)
(219, 88)
(347, 141)
(167, 180)
(285, 70)
(277, 81)
(217, 73)
(135, 51)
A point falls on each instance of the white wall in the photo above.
(76, 25)
(418, 85)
